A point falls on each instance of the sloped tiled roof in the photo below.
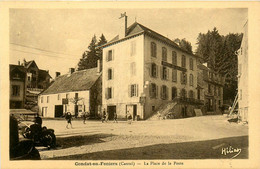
(137, 28)
(19, 67)
(77, 81)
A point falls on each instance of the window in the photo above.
(29, 78)
(109, 74)
(47, 99)
(191, 79)
(109, 93)
(133, 68)
(42, 99)
(191, 94)
(133, 90)
(164, 54)
(67, 95)
(183, 93)
(219, 91)
(174, 58)
(153, 49)
(174, 75)
(110, 55)
(183, 78)
(209, 88)
(191, 64)
(153, 90)
(164, 92)
(154, 70)
(16, 90)
(58, 97)
(153, 108)
(76, 95)
(165, 73)
(133, 48)
(174, 92)
(183, 61)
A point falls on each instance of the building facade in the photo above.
(17, 75)
(210, 89)
(75, 92)
(243, 76)
(143, 71)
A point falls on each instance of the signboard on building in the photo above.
(65, 101)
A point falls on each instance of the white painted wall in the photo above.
(53, 100)
(122, 77)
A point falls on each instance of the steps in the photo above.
(163, 110)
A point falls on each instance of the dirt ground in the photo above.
(204, 137)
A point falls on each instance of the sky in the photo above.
(57, 38)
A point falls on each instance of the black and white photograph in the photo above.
(128, 87)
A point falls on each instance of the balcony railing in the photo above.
(188, 100)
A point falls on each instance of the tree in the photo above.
(220, 53)
(184, 44)
(93, 54)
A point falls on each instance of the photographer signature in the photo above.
(231, 150)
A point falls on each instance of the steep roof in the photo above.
(77, 81)
(44, 73)
(19, 67)
(137, 29)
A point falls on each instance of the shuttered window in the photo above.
(183, 61)
(174, 75)
(164, 54)
(174, 58)
(133, 90)
(153, 90)
(164, 92)
(110, 55)
(191, 79)
(153, 49)
(154, 70)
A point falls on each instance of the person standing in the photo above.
(68, 117)
(103, 116)
(107, 116)
(115, 117)
(84, 116)
(129, 117)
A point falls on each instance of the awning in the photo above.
(22, 112)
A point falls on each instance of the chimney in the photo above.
(71, 70)
(123, 25)
(57, 74)
(19, 63)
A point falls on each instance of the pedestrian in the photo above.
(68, 117)
(103, 116)
(84, 116)
(107, 116)
(115, 117)
(129, 117)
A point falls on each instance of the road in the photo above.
(202, 137)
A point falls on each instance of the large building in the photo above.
(75, 92)
(17, 86)
(243, 76)
(210, 89)
(143, 70)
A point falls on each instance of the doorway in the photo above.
(111, 110)
(132, 109)
(58, 110)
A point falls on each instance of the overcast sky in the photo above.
(56, 38)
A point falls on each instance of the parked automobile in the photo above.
(21, 150)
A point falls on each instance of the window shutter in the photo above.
(112, 92)
(129, 90)
(181, 77)
(113, 54)
(167, 94)
(150, 69)
(106, 93)
(161, 92)
(137, 90)
(161, 72)
(157, 90)
(112, 74)
(168, 71)
(107, 55)
(150, 90)
(157, 71)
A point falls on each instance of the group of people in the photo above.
(105, 116)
